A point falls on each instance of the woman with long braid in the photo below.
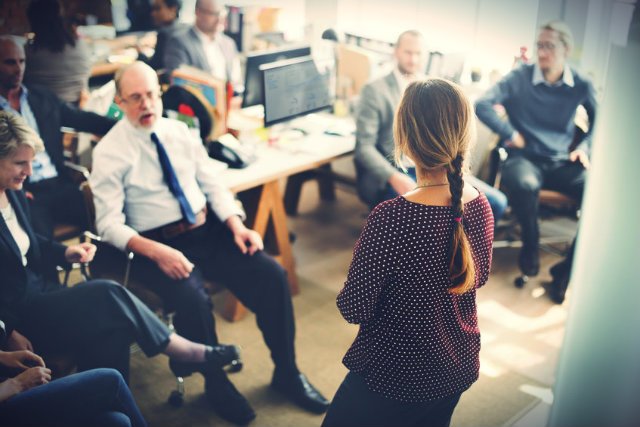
(412, 282)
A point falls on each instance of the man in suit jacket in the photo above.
(54, 197)
(378, 178)
(205, 46)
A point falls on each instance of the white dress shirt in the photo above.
(18, 233)
(404, 80)
(129, 190)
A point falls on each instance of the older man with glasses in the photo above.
(541, 101)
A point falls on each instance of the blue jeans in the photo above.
(497, 199)
(98, 397)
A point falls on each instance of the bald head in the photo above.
(409, 53)
(12, 64)
(208, 16)
(138, 94)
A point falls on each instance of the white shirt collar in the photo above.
(538, 78)
(404, 80)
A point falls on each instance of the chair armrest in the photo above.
(109, 261)
(77, 173)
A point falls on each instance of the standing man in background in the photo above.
(378, 179)
(541, 101)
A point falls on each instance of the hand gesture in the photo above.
(580, 156)
(247, 240)
(172, 262)
(516, 142)
(17, 341)
(22, 359)
(401, 183)
(84, 252)
(31, 378)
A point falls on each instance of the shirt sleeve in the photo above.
(107, 184)
(498, 94)
(371, 269)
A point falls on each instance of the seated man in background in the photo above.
(205, 46)
(541, 101)
(377, 178)
(54, 196)
(165, 17)
(157, 195)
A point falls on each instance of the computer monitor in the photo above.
(295, 87)
(253, 76)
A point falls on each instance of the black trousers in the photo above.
(354, 405)
(93, 322)
(524, 176)
(56, 200)
(258, 281)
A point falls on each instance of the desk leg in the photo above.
(266, 215)
(324, 176)
(265, 207)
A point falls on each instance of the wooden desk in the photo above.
(257, 186)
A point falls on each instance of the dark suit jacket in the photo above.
(165, 33)
(42, 258)
(186, 48)
(52, 113)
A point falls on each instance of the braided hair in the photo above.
(433, 127)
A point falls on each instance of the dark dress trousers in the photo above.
(94, 322)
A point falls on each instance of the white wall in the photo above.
(489, 31)
(598, 378)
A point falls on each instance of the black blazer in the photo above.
(43, 256)
(52, 113)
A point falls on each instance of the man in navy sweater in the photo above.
(541, 101)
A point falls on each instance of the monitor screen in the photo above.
(295, 87)
(253, 76)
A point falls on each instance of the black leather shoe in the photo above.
(216, 358)
(529, 261)
(559, 283)
(300, 391)
(227, 401)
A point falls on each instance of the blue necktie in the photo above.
(172, 181)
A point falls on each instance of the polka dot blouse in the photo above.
(417, 341)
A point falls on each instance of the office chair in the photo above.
(112, 263)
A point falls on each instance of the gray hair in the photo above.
(122, 70)
(15, 132)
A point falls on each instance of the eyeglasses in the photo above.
(138, 98)
(548, 46)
